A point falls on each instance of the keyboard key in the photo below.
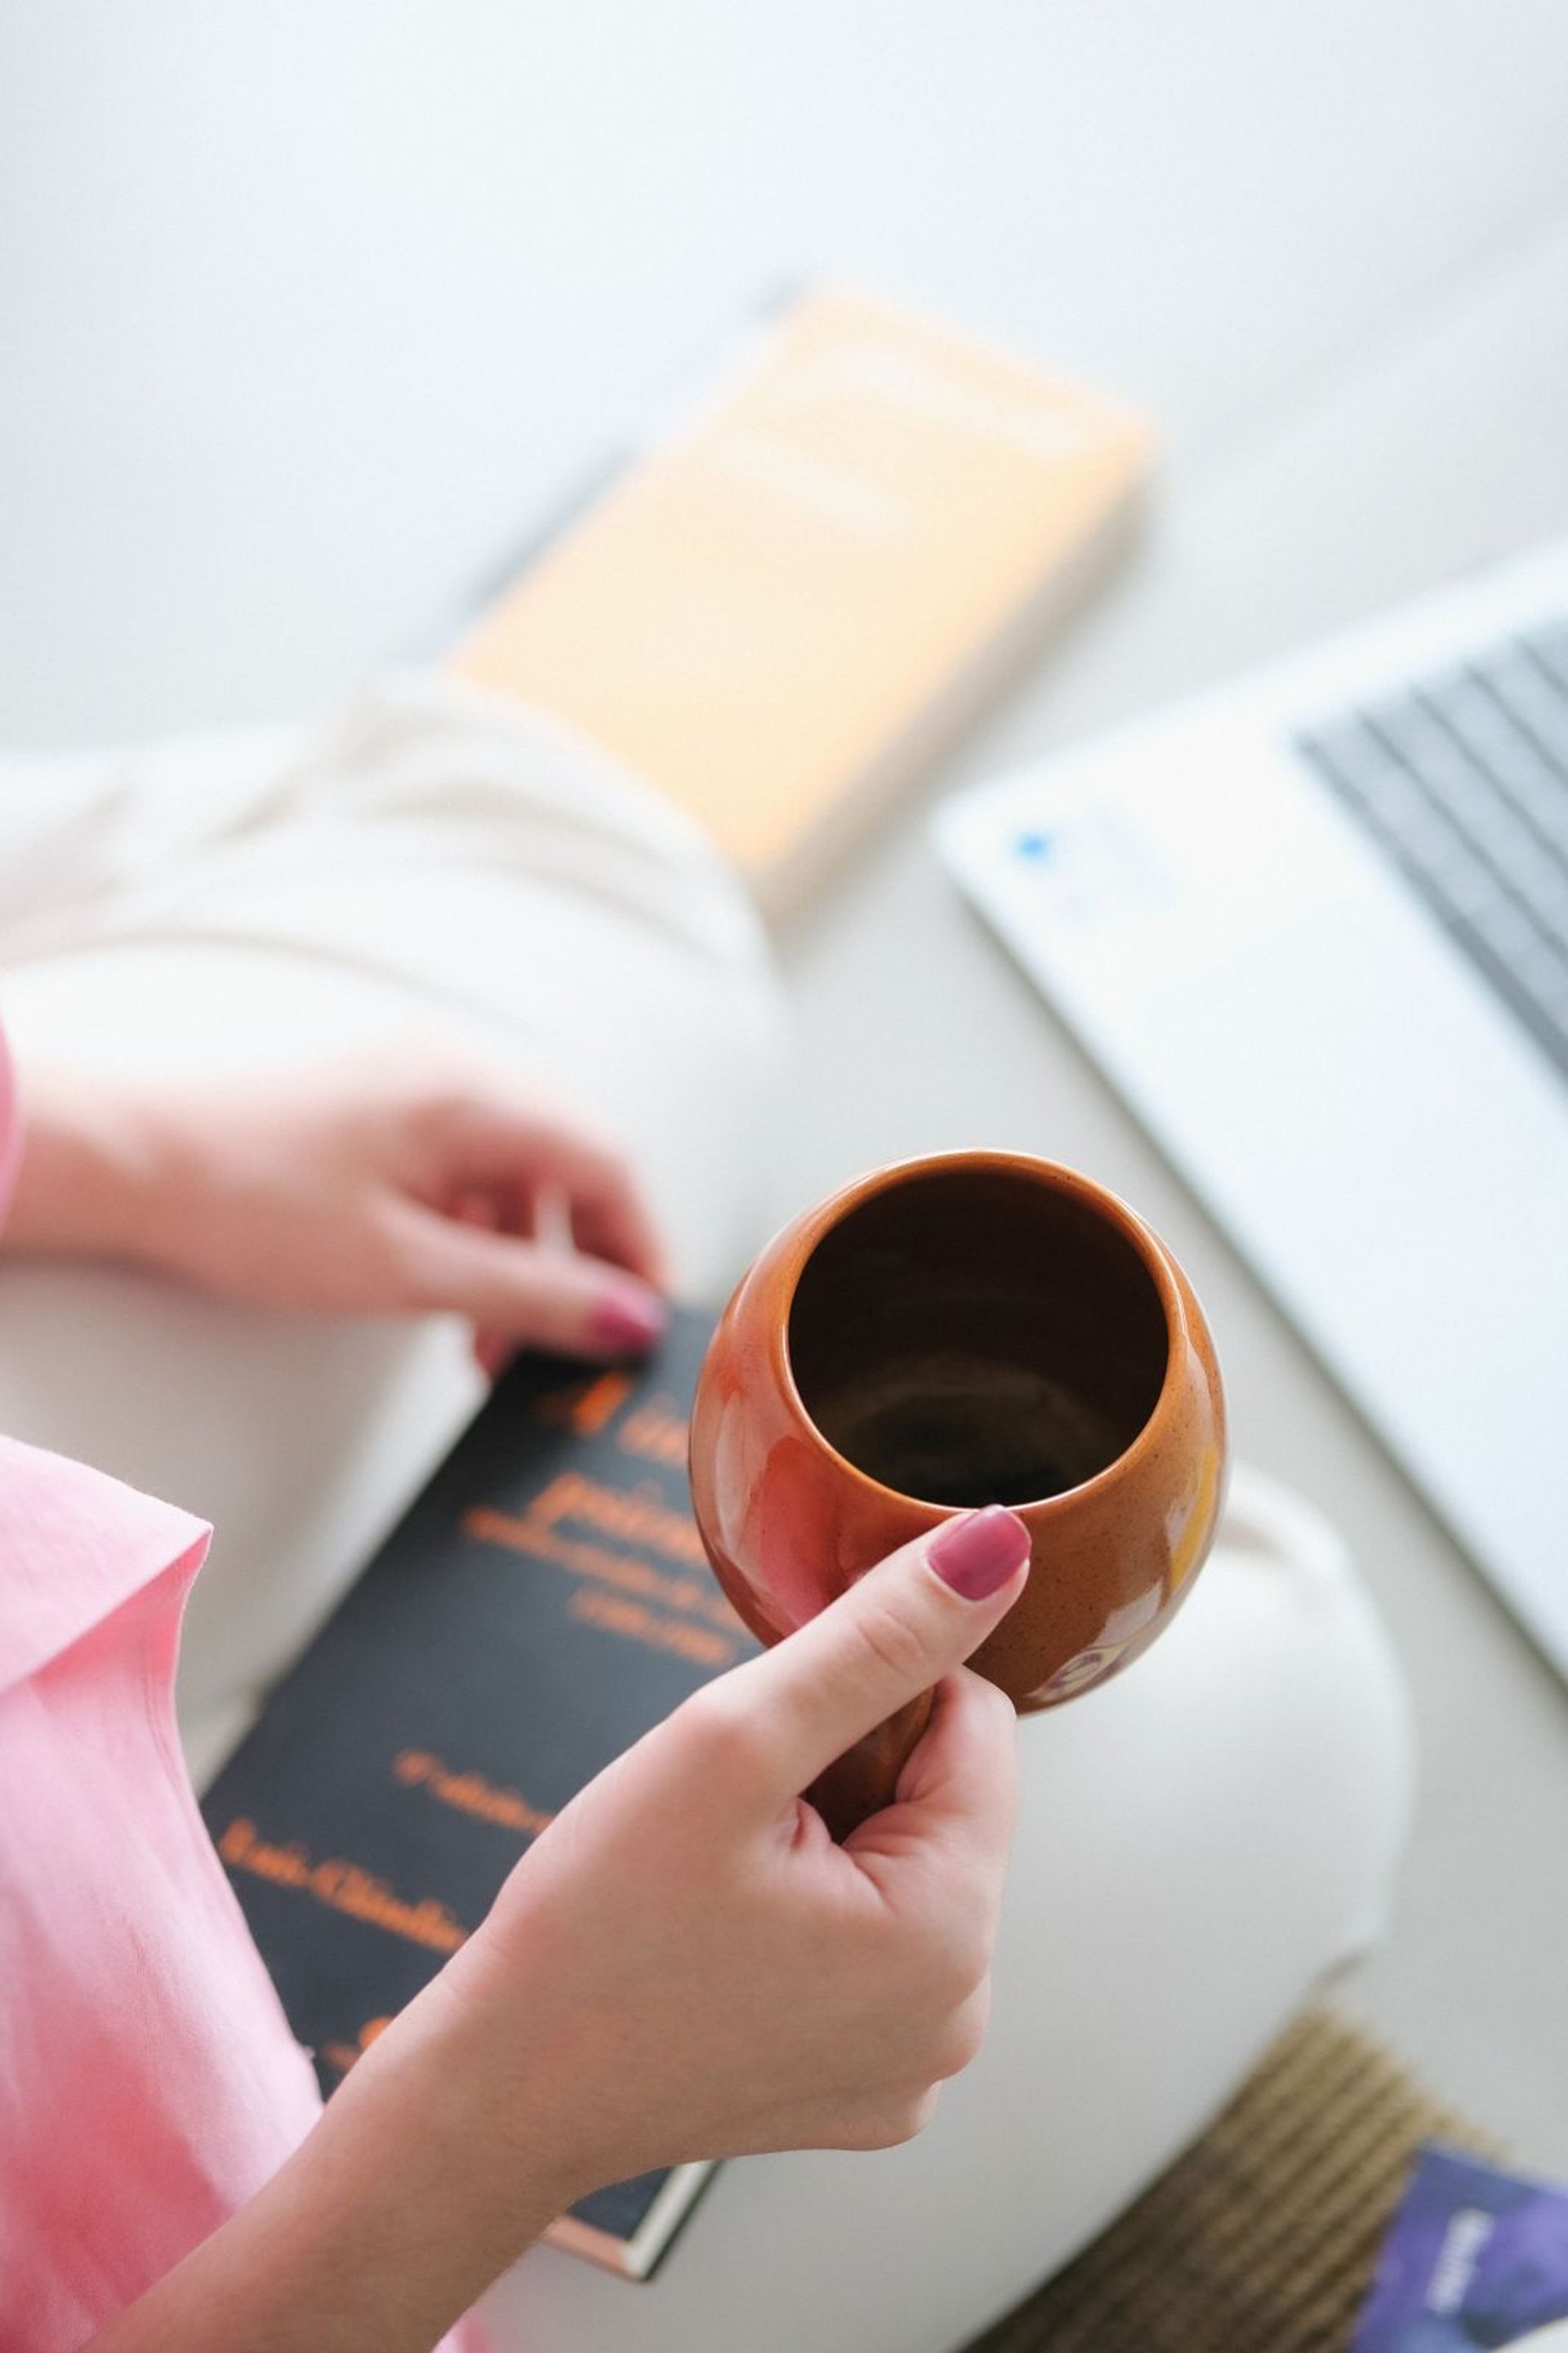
(1463, 783)
(1548, 648)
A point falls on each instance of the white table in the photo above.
(303, 310)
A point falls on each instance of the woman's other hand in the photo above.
(407, 1182)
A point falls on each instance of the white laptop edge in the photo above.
(1366, 1119)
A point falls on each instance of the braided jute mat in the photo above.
(1264, 2236)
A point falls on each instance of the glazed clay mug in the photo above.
(980, 1327)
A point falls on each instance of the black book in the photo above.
(542, 1603)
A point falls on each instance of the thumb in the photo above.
(899, 1629)
(531, 1294)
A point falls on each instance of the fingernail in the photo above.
(628, 1323)
(980, 1551)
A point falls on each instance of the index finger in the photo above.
(958, 1793)
(608, 1216)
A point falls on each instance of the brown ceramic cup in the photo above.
(980, 1327)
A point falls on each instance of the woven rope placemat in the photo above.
(1264, 2237)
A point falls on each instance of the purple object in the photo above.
(1473, 2258)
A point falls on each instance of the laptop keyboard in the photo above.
(1463, 781)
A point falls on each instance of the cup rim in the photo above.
(1152, 1255)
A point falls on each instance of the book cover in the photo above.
(544, 1601)
(1475, 2256)
(780, 612)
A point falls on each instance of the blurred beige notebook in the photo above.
(779, 613)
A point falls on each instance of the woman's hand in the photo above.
(404, 1183)
(684, 1965)
(686, 1937)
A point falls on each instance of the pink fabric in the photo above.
(149, 2082)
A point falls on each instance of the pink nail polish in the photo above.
(980, 1551)
(626, 1324)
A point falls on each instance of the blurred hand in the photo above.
(685, 1964)
(412, 1182)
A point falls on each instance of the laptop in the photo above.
(1314, 926)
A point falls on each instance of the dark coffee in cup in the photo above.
(969, 1337)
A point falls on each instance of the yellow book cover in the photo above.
(781, 611)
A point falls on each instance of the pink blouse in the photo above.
(149, 2082)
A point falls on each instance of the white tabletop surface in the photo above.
(305, 310)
